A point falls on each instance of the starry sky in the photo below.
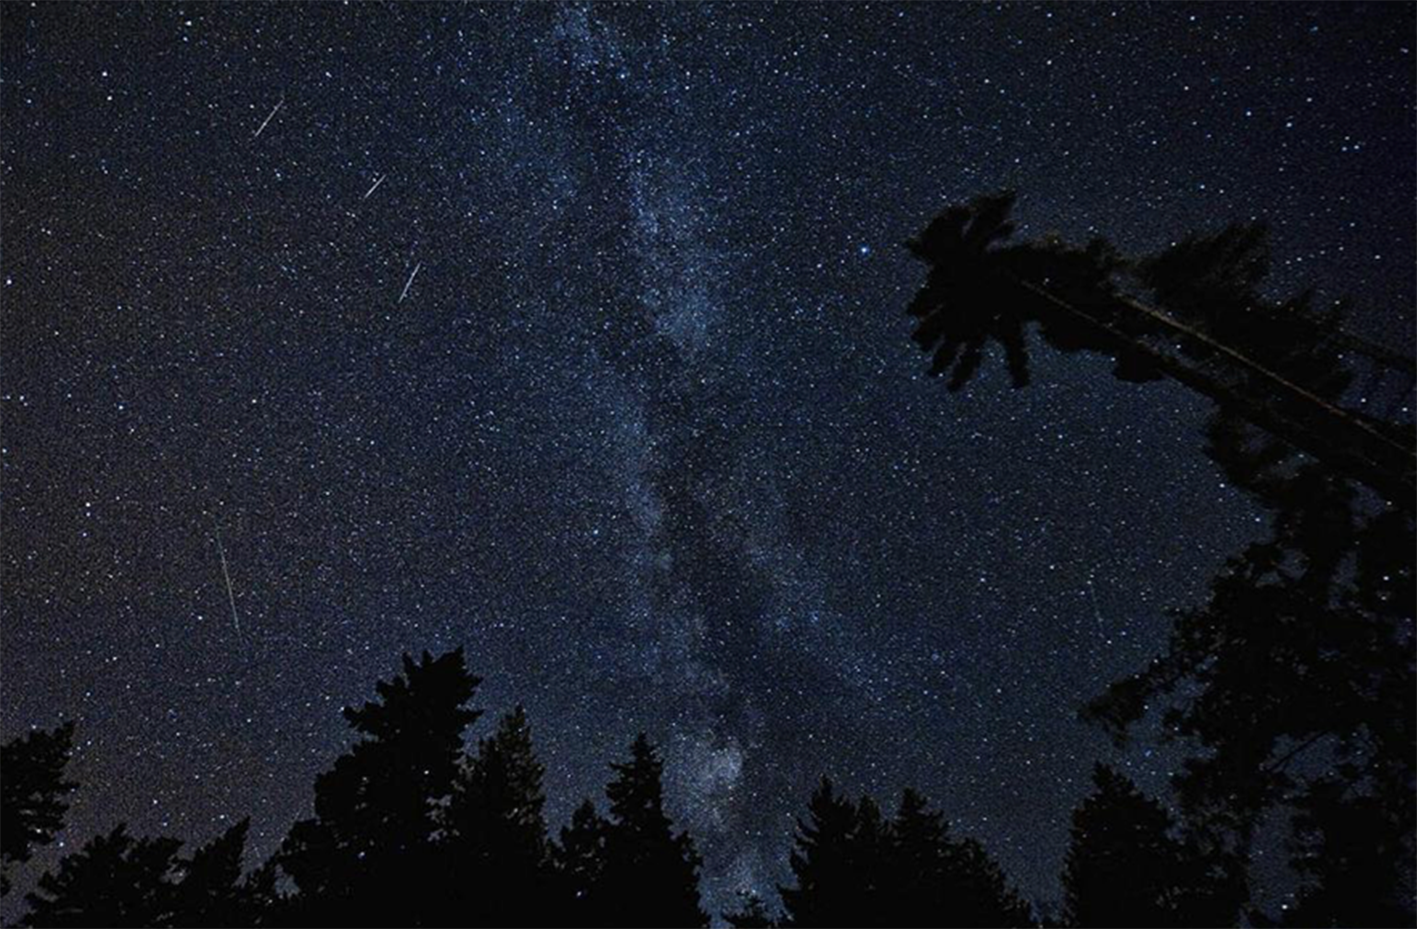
(608, 380)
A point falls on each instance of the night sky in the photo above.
(646, 432)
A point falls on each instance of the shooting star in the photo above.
(1097, 610)
(226, 574)
(280, 104)
(410, 281)
(376, 185)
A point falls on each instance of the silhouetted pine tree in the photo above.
(916, 890)
(1349, 858)
(497, 834)
(835, 875)
(33, 794)
(579, 862)
(211, 891)
(368, 857)
(870, 848)
(980, 894)
(1299, 675)
(854, 871)
(260, 893)
(931, 879)
(651, 875)
(1277, 365)
(1126, 867)
(114, 880)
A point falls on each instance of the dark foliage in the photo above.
(1296, 680)
(481, 842)
(376, 820)
(119, 880)
(1276, 365)
(1127, 866)
(1351, 854)
(830, 862)
(115, 880)
(852, 869)
(580, 862)
(930, 879)
(33, 794)
(496, 835)
(211, 890)
(651, 874)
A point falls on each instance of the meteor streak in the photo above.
(230, 597)
(376, 184)
(410, 281)
(269, 118)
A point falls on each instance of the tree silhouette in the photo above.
(980, 891)
(832, 885)
(1298, 674)
(33, 794)
(917, 886)
(1305, 648)
(931, 880)
(497, 842)
(1351, 861)
(262, 899)
(119, 880)
(114, 880)
(1126, 866)
(211, 891)
(377, 811)
(409, 831)
(579, 860)
(852, 870)
(651, 874)
(1275, 365)
(957, 240)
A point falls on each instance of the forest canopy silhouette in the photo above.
(1291, 687)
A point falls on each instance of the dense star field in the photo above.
(575, 335)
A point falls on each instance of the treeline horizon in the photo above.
(412, 827)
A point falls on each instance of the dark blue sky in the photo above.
(646, 434)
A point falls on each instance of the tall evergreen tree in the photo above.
(497, 834)
(834, 874)
(1126, 866)
(579, 862)
(853, 870)
(211, 891)
(377, 811)
(980, 893)
(916, 890)
(262, 898)
(932, 879)
(33, 794)
(651, 875)
(871, 850)
(114, 880)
